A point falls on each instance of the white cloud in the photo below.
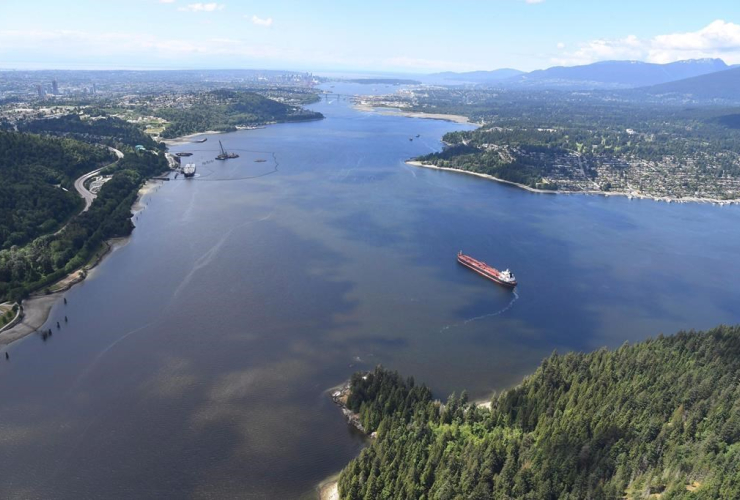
(715, 40)
(604, 50)
(534, 1)
(145, 50)
(118, 44)
(166, 1)
(719, 39)
(561, 45)
(258, 21)
(202, 7)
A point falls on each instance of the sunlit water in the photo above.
(196, 357)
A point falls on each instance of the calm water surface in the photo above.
(196, 357)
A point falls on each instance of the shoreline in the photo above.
(37, 307)
(328, 489)
(34, 311)
(339, 395)
(667, 199)
(366, 108)
(185, 139)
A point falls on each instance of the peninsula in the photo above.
(576, 142)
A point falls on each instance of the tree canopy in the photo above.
(224, 110)
(48, 258)
(661, 417)
(36, 183)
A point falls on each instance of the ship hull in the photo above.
(485, 274)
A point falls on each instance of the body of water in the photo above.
(197, 356)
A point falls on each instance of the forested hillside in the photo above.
(223, 110)
(99, 129)
(559, 144)
(36, 182)
(50, 257)
(659, 419)
(720, 86)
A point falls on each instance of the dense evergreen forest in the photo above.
(36, 183)
(223, 110)
(659, 419)
(48, 258)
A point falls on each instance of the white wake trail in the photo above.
(484, 316)
(202, 262)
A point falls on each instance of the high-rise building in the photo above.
(40, 90)
(54, 87)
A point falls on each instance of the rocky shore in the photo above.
(328, 489)
(339, 395)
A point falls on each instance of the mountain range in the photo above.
(600, 75)
(722, 85)
(619, 74)
(480, 77)
(693, 79)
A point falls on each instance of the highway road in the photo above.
(80, 182)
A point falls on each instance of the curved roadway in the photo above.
(80, 182)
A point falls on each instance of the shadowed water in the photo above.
(196, 357)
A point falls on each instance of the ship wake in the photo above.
(483, 316)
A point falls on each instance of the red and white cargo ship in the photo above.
(505, 278)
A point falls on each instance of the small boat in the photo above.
(418, 135)
(184, 154)
(411, 138)
(505, 278)
(201, 140)
(260, 160)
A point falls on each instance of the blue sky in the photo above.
(414, 36)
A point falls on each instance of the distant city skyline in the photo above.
(384, 36)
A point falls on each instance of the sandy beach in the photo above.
(413, 114)
(37, 307)
(147, 188)
(667, 199)
(184, 139)
(329, 488)
(35, 312)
